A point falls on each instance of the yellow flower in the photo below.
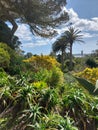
(89, 74)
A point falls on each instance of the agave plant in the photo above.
(29, 118)
(80, 106)
(49, 99)
(4, 78)
(88, 86)
(53, 121)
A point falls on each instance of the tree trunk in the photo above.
(62, 60)
(15, 26)
(71, 65)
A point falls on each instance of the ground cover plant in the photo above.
(41, 100)
(31, 105)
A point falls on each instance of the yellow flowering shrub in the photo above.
(46, 69)
(91, 74)
(53, 77)
(40, 85)
(43, 61)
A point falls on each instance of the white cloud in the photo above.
(85, 25)
(24, 33)
(95, 19)
(27, 38)
(88, 35)
(30, 41)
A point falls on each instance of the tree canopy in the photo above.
(40, 15)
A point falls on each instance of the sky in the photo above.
(83, 15)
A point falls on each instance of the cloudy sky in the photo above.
(83, 15)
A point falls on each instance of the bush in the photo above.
(89, 74)
(53, 77)
(40, 85)
(4, 58)
(3, 78)
(45, 61)
(91, 63)
(68, 64)
(46, 69)
(41, 75)
(57, 77)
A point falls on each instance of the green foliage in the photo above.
(57, 77)
(49, 99)
(40, 85)
(35, 13)
(10, 60)
(60, 45)
(41, 75)
(79, 105)
(4, 79)
(88, 79)
(91, 63)
(28, 55)
(17, 65)
(38, 103)
(31, 115)
(55, 121)
(46, 69)
(67, 64)
(4, 58)
(53, 77)
(79, 63)
(88, 86)
(5, 55)
(6, 48)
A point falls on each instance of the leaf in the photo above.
(87, 85)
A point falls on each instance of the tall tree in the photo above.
(60, 45)
(40, 15)
(73, 35)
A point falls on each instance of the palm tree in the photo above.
(60, 45)
(72, 35)
(67, 39)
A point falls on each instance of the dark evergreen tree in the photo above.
(60, 45)
(91, 62)
(41, 15)
(28, 55)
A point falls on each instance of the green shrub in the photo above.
(57, 122)
(4, 58)
(91, 63)
(49, 99)
(53, 77)
(4, 80)
(57, 77)
(67, 63)
(41, 75)
(39, 85)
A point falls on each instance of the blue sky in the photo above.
(83, 15)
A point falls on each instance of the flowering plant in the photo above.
(90, 74)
